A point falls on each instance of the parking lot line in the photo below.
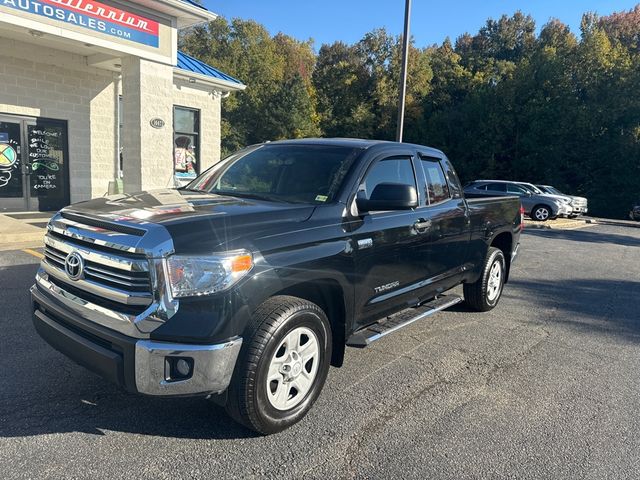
(33, 252)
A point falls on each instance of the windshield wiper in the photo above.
(254, 196)
(197, 190)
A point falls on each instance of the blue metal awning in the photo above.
(193, 65)
(195, 4)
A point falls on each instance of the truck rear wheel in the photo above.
(484, 294)
(282, 366)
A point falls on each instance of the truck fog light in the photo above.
(183, 367)
(178, 368)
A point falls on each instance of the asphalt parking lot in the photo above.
(544, 386)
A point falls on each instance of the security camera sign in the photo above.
(94, 16)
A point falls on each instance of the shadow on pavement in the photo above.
(600, 306)
(43, 392)
(588, 236)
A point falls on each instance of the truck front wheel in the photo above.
(484, 294)
(282, 366)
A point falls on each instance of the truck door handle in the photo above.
(422, 225)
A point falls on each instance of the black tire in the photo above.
(247, 402)
(541, 213)
(476, 295)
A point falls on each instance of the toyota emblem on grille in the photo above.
(74, 266)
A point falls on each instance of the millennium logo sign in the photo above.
(94, 16)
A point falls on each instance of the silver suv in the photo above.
(566, 199)
(580, 204)
(540, 207)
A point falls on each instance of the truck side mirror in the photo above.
(389, 196)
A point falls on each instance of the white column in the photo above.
(147, 151)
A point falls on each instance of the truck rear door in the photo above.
(446, 210)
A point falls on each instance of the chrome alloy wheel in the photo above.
(293, 368)
(541, 214)
(495, 281)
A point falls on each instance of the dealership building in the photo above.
(95, 98)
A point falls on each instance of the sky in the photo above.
(431, 21)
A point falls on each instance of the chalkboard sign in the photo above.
(47, 142)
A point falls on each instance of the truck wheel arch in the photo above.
(504, 241)
(329, 296)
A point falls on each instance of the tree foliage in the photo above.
(502, 103)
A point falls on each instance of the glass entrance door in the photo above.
(47, 164)
(33, 164)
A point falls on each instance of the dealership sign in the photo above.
(93, 15)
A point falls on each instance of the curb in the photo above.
(559, 225)
(19, 232)
(30, 237)
(6, 247)
(614, 222)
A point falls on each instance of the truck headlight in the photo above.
(202, 275)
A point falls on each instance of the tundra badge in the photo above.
(388, 286)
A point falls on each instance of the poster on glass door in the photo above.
(47, 151)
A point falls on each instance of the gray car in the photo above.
(538, 207)
(563, 198)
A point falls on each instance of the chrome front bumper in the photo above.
(138, 365)
(212, 367)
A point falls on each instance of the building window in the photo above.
(186, 143)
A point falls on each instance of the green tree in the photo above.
(502, 102)
(342, 83)
(277, 71)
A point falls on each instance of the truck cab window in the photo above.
(455, 186)
(389, 170)
(437, 187)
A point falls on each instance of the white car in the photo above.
(580, 204)
(566, 202)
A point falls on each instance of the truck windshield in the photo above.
(282, 173)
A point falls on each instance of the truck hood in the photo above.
(197, 222)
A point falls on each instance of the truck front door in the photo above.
(391, 253)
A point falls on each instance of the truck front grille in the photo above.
(118, 277)
(114, 277)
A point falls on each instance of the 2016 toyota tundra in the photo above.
(248, 283)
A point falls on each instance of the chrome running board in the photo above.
(387, 325)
